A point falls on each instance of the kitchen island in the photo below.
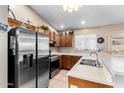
(84, 76)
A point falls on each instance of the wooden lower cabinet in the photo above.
(74, 60)
(60, 60)
(79, 83)
(66, 62)
(69, 61)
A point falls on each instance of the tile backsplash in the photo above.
(53, 49)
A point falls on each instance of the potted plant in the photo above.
(71, 33)
(44, 27)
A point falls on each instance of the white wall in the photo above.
(3, 48)
(106, 32)
(23, 13)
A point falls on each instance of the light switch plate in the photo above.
(3, 27)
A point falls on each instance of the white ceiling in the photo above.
(94, 15)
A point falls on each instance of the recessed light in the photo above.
(62, 26)
(83, 22)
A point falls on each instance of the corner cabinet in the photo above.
(61, 40)
(68, 61)
(66, 41)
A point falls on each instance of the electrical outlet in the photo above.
(3, 27)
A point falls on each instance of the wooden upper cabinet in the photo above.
(63, 40)
(57, 40)
(66, 41)
(52, 36)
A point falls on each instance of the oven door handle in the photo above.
(54, 59)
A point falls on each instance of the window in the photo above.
(86, 42)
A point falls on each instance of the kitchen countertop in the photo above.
(112, 65)
(90, 73)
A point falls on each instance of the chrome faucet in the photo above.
(97, 61)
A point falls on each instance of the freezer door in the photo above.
(43, 72)
(43, 61)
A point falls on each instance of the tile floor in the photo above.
(60, 80)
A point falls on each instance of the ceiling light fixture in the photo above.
(83, 22)
(62, 26)
(71, 8)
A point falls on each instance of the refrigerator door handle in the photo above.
(31, 61)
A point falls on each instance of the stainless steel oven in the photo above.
(54, 65)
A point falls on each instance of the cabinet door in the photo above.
(69, 61)
(52, 36)
(57, 40)
(66, 62)
(63, 40)
(75, 59)
(60, 57)
(68, 41)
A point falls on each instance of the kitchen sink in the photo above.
(90, 62)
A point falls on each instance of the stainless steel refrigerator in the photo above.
(42, 61)
(25, 63)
